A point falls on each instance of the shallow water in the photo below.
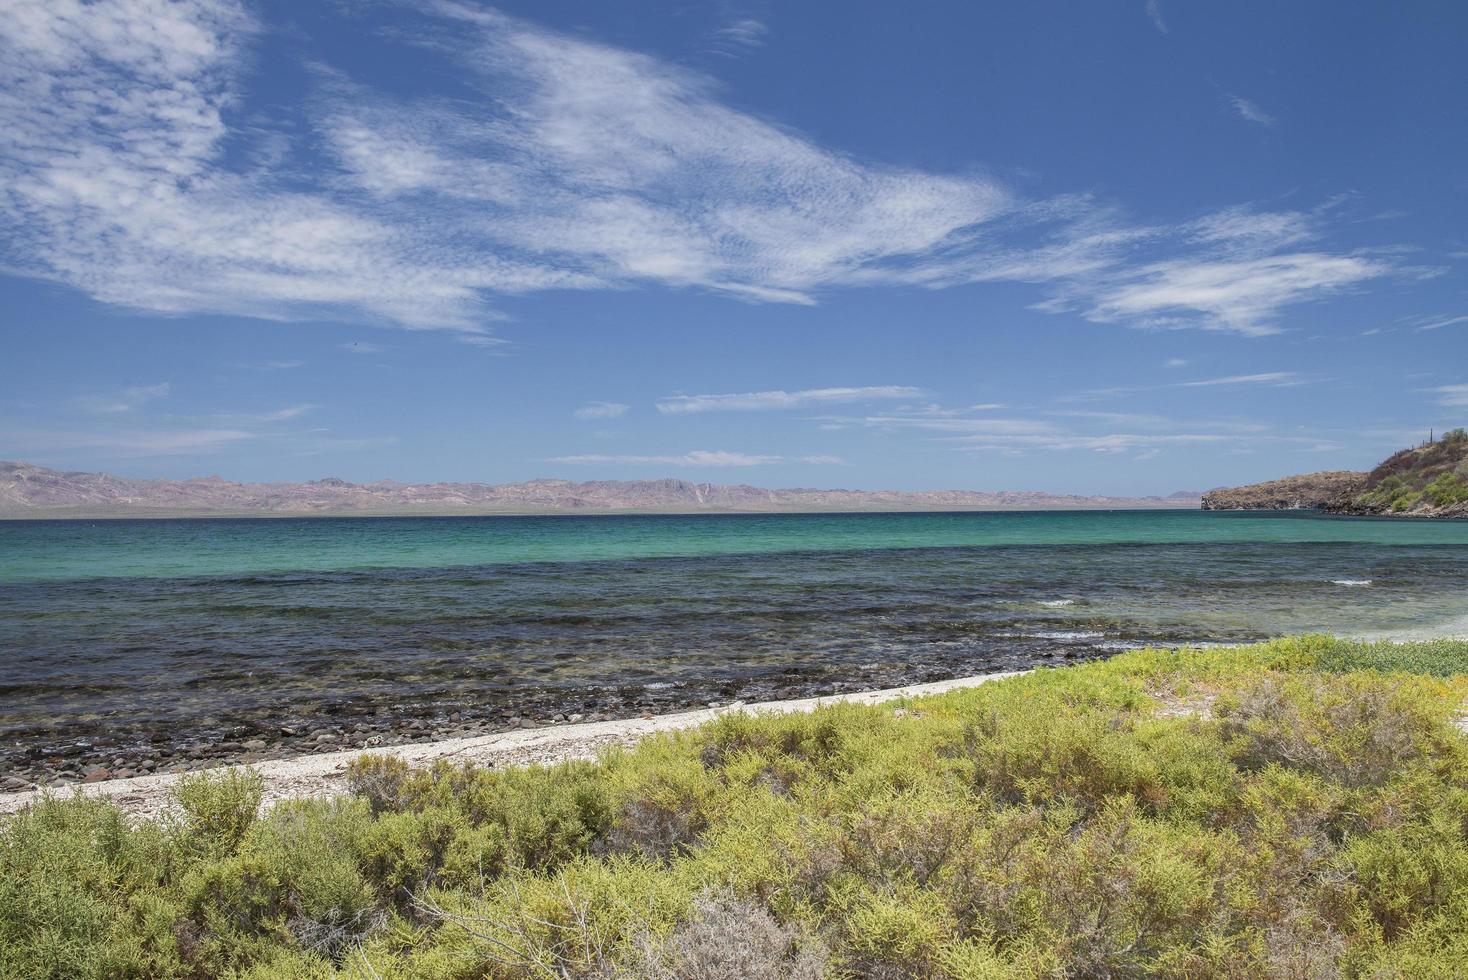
(140, 631)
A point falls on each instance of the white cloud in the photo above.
(1239, 295)
(483, 341)
(279, 415)
(1079, 431)
(1154, 11)
(1452, 396)
(127, 442)
(937, 410)
(1437, 323)
(1251, 111)
(1151, 443)
(1265, 378)
(699, 457)
(126, 400)
(1175, 362)
(754, 401)
(1119, 418)
(1278, 379)
(628, 169)
(1243, 230)
(1113, 442)
(1233, 270)
(964, 426)
(292, 412)
(116, 180)
(743, 32)
(132, 174)
(601, 410)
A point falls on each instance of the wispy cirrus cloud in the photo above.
(601, 410)
(699, 457)
(1240, 295)
(117, 180)
(1235, 270)
(1276, 378)
(1147, 435)
(1154, 13)
(1452, 396)
(278, 415)
(740, 33)
(629, 169)
(133, 174)
(1250, 111)
(961, 426)
(127, 400)
(759, 401)
(1111, 442)
(132, 442)
(1437, 323)
(1142, 437)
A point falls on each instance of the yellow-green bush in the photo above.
(1297, 808)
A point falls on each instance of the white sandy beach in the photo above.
(324, 775)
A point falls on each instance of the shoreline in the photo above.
(322, 774)
(835, 511)
(86, 755)
(41, 762)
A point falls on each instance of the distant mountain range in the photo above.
(35, 491)
(1430, 480)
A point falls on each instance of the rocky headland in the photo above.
(1430, 480)
(1310, 491)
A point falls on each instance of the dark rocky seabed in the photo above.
(112, 676)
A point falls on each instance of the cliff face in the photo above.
(1312, 491)
(34, 491)
(1426, 481)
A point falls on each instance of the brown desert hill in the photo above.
(1430, 480)
(29, 491)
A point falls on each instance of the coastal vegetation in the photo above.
(1430, 476)
(1296, 808)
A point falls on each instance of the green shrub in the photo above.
(1405, 501)
(1350, 732)
(82, 894)
(1394, 493)
(295, 876)
(1409, 874)
(219, 806)
(1296, 808)
(1447, 489)
(378, 779)
(1441, 658)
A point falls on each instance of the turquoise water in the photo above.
(52, 550)
(122, 637)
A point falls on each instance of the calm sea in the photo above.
(142, 629)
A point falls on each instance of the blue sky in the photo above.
(1121, 247)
